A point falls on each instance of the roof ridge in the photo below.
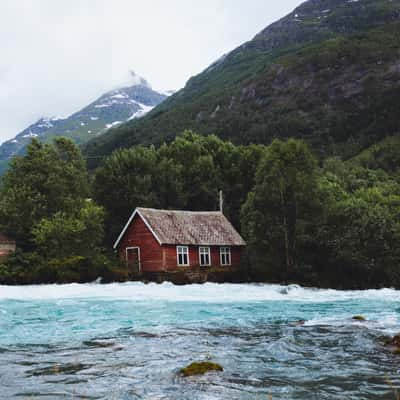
(180, 211)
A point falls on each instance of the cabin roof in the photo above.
(5, 239)
(209, 228)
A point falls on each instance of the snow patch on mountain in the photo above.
(119, 96)
(30, 135)
(143, 110)
(108, 126)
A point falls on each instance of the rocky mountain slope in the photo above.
(328, 72)
(109, 110)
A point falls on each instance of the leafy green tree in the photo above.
(48, 179)
(200, 166)
(196, 171)
(359, 237)
(125, 181)
(279, 212)
(168, 185)
(66, 235)
(384, 155)
(238, 179)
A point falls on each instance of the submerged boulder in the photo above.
(394, 342)
(200, 368)
(396, 350)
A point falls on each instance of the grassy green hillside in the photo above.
(383, 155)
(328, 73)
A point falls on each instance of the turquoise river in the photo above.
(129, 341)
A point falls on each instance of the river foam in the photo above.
(129, 340)
(209, 292)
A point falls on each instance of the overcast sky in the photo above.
(59, 55)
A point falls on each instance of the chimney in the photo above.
(221, 202)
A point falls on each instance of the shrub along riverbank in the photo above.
(316, 222)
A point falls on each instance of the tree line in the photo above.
(316, 222)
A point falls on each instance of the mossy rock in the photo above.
(200, 368)
(359, 318)
(396, 351)
(394, 341)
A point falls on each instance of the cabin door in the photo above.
(133, 259)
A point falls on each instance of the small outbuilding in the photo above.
(165, 240)
(7, 245)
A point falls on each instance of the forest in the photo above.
(316, 222)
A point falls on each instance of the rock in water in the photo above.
(200, 368)
(394, 341)
(359, 318)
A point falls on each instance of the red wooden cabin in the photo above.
(163, 240)
(7, 245)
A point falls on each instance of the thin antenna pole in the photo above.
(221, 202)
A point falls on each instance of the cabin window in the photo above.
(204, 256)
(182, 255)
(225, 255)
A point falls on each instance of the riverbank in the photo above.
(22, 268)
(25, 271)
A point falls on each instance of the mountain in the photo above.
(111, 109)
(329, 72)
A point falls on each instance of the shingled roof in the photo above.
(208, 228)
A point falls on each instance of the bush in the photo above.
(30, 268)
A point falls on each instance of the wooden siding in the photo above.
(236, 255)
(170, 259)
(138, 235)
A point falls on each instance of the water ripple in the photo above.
(71, 342)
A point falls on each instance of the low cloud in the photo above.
(56, 56)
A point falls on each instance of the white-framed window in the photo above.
(182, 255)
(204, 256)
(225, 255)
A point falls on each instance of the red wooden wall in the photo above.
(138, 235)
(154, 257)
(171, 260)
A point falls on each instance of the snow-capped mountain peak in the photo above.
(130, 101)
